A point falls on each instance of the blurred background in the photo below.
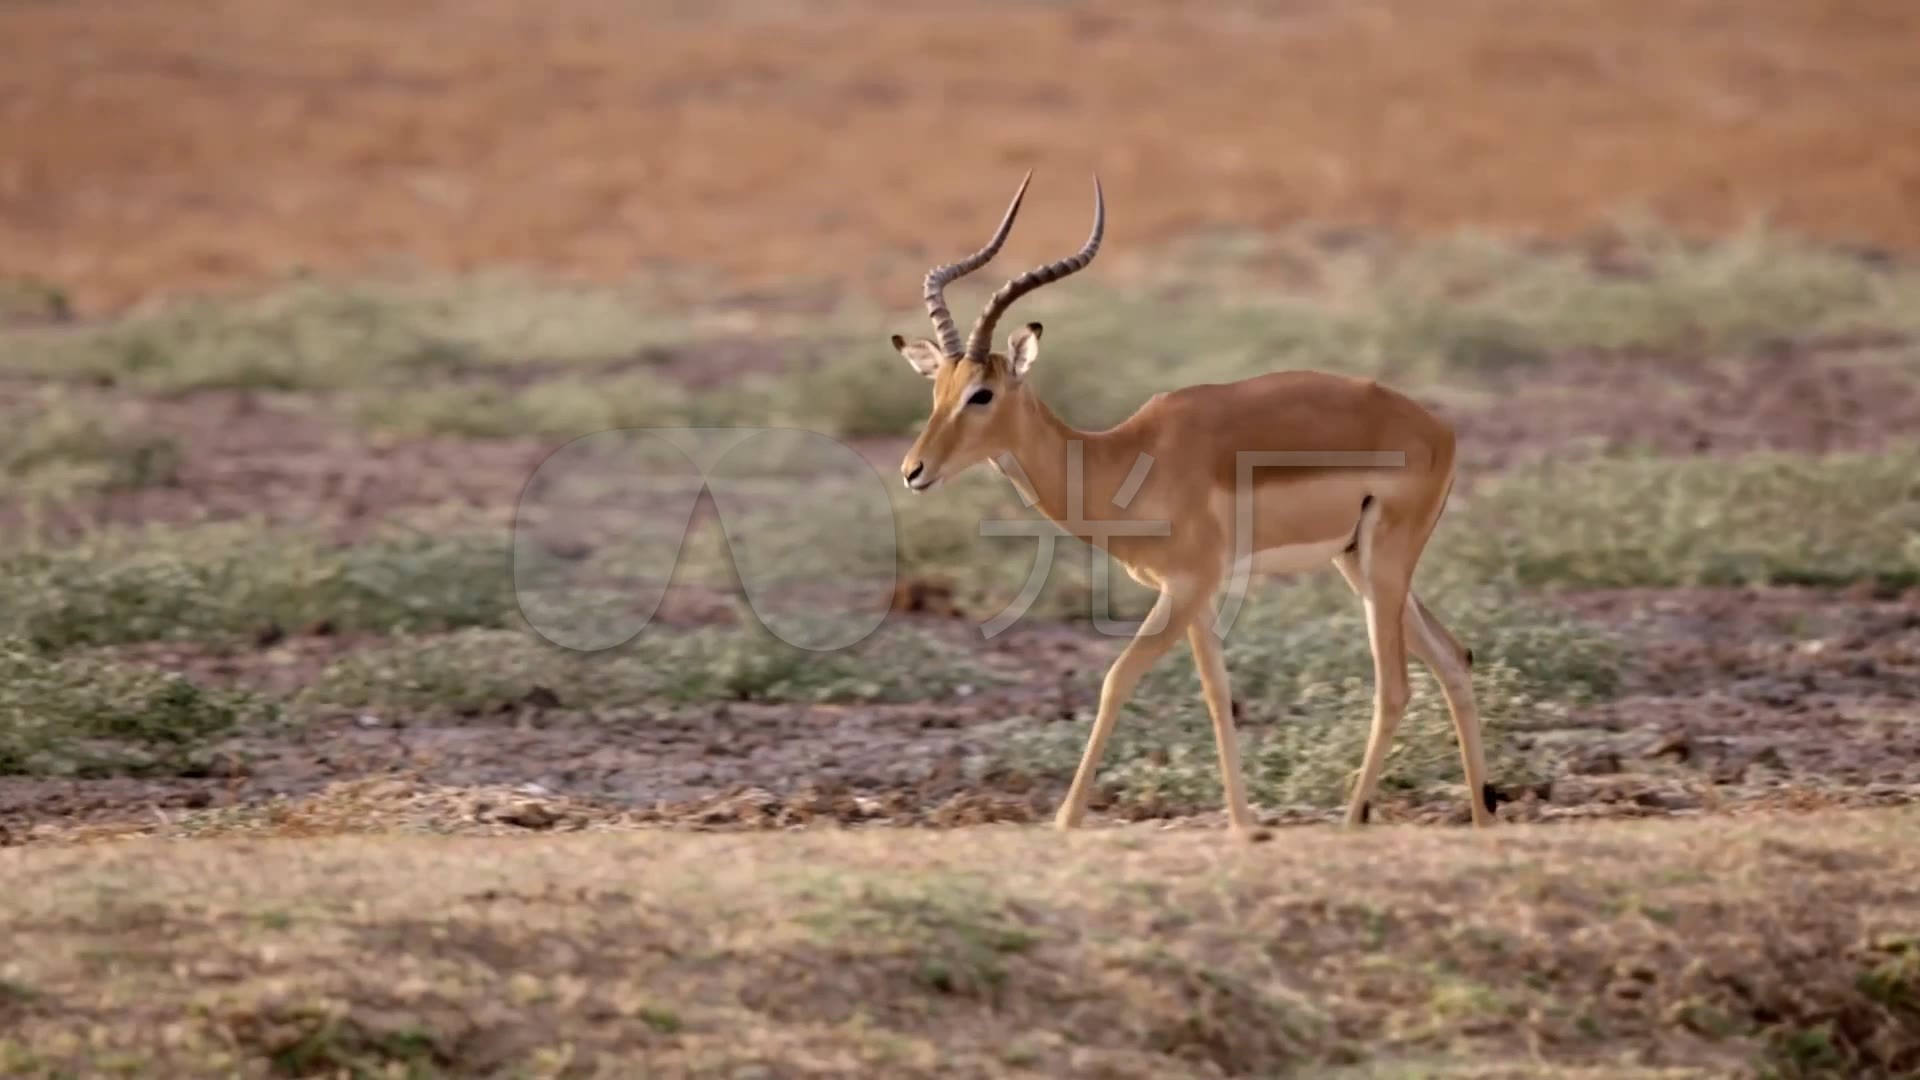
(178, 147)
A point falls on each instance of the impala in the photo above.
(1223, 519)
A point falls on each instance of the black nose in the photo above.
(918, 468)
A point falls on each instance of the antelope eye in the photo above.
(980, 397)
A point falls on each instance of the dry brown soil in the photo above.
(1668, 949)
(170, 147)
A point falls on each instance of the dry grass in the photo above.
(322, 335)
(494, 355)
(240, 141)
(90, 716)
(1673, 949)
(1758, 519)
(60, 448)
(232, 582)
(487, 671)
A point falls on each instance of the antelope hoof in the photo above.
(1491, 797)
(1251, 834)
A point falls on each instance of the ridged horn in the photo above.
(980, 342)
(939, 277)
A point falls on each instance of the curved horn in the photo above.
(939, 276)
(981, 340)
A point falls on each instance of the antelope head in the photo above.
(977, 393)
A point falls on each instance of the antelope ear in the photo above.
(924, 355)
(1023, 347)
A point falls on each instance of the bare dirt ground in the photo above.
(287, 460)
(1811, 401)
(1653, 949)
(1737, 697)
(175, 147)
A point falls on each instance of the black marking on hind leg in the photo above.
(1366, 811)
(1469, 657)
(1353, 545)
(1491, 797)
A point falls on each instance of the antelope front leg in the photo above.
(1215, 687)
(1164, 623)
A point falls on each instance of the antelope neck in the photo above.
(1042, 449)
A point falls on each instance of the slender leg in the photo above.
(1169, 617)
(1385, 600)
(1452, 646)
(1214, 685)
(1451, 663)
